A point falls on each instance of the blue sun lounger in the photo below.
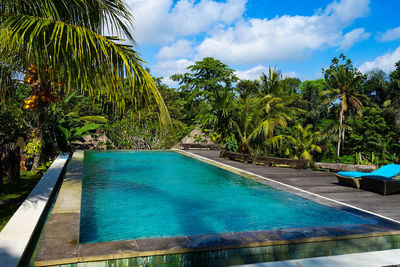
(354, 178)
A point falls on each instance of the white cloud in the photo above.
(234, 39)
(282, 38)
(345, 11)
(162, 21)
(354, 36)
(255, 73)
(182, 48)
(385, 62)
(390, 35)
(169, 67)
(251, 74)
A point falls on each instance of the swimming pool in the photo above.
(222, 240)
(135, 195)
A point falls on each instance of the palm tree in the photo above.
(273, 112)
(64, 49)
(260, 114)
(269, 84)
(246, 119)
(342, 81)
(220, 111)
(304, 142)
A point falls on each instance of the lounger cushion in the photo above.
(387, 171)
(352, 174)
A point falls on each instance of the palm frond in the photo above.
(95, 119)
(92, 61)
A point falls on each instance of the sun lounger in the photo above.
(380, 184)
(354, 178)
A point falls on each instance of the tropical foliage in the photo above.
(77, 81)
(65, 46)
(342, 82)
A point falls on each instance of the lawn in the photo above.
(15, 195)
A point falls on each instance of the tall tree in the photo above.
(311, 93)
(247, 87)
(269, 84)
(392, 104)
(211, 82)
(376, 87)
(63, 42)
(342, 81)
(276, 105)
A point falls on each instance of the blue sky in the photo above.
(298, 37)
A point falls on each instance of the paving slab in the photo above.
(366, 259)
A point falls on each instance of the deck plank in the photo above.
(321, 183)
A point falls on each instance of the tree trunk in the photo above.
(36, 162)
(1, 172)
(14, 159)
(341, 132)
(40, 122)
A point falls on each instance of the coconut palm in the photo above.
(246, 119)
(64, 48)
(260, 114)
(303, 142)
(269, 84)
(273, 112)
(277, 106)
(219, 114)
(342, 82)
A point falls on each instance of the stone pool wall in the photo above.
(237, 256)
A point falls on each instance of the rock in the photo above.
(87, 138)
(101, 142)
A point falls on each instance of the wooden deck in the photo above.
(321, 183)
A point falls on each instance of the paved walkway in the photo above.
(325, 184)
(367, 259)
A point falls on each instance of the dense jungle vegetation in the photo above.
(61, 78)
(345, 117)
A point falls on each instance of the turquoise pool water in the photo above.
(130, 195)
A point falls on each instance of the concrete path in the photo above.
(367, 259)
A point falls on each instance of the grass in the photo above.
(14, 195)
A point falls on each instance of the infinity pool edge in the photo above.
(62, 247)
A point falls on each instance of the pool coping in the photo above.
(63, 247)
(16, 235)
